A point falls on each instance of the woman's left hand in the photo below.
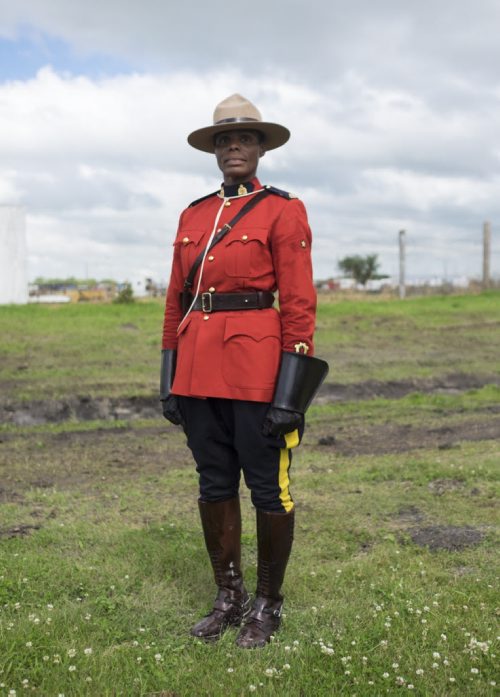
(278, 422)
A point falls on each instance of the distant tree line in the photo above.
(72, 282)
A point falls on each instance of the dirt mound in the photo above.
(396, 438)
(447, 537)
(84, 408)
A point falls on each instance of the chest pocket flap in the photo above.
(244, 235)
(188, 238)
(245, 249)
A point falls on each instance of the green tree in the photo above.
(360, 268)
(125, 296)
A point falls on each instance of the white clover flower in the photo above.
(385, 675)
(230, 670)
(475, 671)
(71, 653)
(46, 658)
(87, 651)
(72, 669)
(286, 666)
(436, 654)
(269, 671)
(400, 680)
(138, 659)
(295, 643)
(444, 637)
(25, 682)
(446, 662)
(435, 665)
(252, 688)
(29, 644)
(395, 666)
(419, 671)
(88, 679)
(287, 648)
(410, 686)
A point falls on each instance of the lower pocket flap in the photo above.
(254, 327)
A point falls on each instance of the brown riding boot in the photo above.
(221, 523)
(274, 542)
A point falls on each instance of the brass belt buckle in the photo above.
(206, 302)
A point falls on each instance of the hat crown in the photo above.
(236, 108)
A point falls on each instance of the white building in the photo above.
(13, 256)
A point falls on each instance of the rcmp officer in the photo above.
(238, 374)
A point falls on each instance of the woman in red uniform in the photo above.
(237, 374)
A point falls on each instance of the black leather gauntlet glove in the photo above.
(278, 422)
(171, 410)
(299, 379)
(169, 402)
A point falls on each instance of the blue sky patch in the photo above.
(21, 58)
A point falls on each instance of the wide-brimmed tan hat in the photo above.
(233, 113)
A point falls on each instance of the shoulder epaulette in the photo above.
(280, 192)
(199, 200)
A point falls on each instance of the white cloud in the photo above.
(393, 112)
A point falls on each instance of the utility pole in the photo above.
(402, 261)
(486, 254)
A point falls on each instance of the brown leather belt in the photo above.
(217, 302)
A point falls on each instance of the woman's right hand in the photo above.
(171, 410)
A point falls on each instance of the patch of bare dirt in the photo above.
(448, 537)
(18, 531)
(438, 487)
(84, 408)
(395, 438)
(395, 389)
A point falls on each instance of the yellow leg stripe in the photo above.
(292, 439)
(284, 480)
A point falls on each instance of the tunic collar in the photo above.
(235, 190)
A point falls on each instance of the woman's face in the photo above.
(238, 153)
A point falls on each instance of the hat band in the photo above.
(241, 119)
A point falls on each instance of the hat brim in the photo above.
(275, 135)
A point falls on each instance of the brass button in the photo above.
(227, 204)
(206, 317)
(303, 243)
(244, 237)
(211, 258)
(211, 289)
(185, 240)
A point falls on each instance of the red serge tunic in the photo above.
(236, 354)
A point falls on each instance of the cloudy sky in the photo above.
(394, 109)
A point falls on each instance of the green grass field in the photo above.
(393, 581)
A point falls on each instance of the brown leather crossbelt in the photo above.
(217, 302)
